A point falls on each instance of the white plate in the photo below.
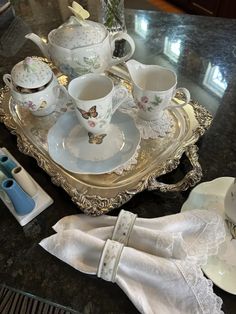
(221, 269)
(68, 144)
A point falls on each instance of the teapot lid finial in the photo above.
(29, 65)
(80, 13)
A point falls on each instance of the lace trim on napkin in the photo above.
(207, 242)
(201, 287)
(109, 261)
(123, 227)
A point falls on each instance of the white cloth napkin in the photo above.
(192, 235)
(154, 284)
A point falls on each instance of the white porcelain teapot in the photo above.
(81, 46)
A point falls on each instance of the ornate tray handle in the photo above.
(189, 180)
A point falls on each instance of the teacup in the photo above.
(96, 99)
(153, 89)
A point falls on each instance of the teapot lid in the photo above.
(75, 34)
(31, 73)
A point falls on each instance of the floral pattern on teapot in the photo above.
(90, 65)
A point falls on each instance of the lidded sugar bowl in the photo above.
(82, 46)
(34, 86)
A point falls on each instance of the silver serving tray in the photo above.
(98, 194)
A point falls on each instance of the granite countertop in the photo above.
(202, 50)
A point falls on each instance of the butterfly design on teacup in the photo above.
(92, 113)
(96, 138)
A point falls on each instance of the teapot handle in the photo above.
(120, 36)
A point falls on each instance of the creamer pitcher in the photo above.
(153, 88)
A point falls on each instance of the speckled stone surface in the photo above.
(190, 45)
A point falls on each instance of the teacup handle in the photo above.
(120, 36)
(119, 96)
(186, 92)
(7, 80)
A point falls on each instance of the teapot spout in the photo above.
(40, 43)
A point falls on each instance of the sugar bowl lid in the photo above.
(31, 73)
(76, 34)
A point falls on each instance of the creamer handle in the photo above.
(184, 91)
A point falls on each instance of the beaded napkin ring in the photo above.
(123, 227)
(110, 260)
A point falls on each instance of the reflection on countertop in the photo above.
(176, 44)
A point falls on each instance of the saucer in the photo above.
(68, 144)
(221, 268)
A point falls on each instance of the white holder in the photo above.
(24, 180)
(41, 198)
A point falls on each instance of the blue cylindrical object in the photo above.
(21, 201)
(3, 194)
(6, 165)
